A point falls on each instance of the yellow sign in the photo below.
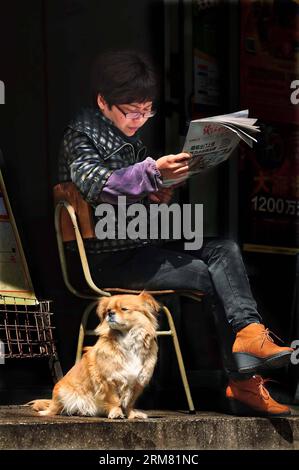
(15, 281)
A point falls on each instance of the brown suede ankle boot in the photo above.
(251, 398)
(254, 350)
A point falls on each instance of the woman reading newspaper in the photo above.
(102, 154)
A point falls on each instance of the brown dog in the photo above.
(113, 372)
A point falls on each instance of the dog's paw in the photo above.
(116, 413)
(135, 414)
(44, 413)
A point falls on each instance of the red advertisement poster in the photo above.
(269, 58)
(269, 64)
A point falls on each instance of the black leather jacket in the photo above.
(91, 150)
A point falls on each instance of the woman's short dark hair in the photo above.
(124, 76)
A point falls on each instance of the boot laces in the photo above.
(262, 391)
(266, 336)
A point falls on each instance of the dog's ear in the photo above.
(102, 307)
(149, 300)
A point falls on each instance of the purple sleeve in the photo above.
(134, 182)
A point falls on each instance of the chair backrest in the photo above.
(68, 192)
(74, 221)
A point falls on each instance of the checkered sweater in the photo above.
(91, 150)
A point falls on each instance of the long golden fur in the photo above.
(113, 372)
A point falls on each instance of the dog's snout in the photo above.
(111, 313)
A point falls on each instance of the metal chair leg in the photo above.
(179, 356)
(55, 368)
(82, 331)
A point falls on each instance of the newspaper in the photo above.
(212, 140)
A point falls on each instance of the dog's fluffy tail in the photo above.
(39, 405)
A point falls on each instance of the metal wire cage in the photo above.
(25, 328)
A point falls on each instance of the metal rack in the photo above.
(26, 331)
(25, 328)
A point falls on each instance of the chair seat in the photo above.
(187, 293)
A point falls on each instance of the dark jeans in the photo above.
(217, 269)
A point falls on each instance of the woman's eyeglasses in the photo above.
(136, 115)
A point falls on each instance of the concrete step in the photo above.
(21, 428)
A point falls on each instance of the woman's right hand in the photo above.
(174, 166)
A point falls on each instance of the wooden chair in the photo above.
(74, 222)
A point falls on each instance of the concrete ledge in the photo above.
(20, 428)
